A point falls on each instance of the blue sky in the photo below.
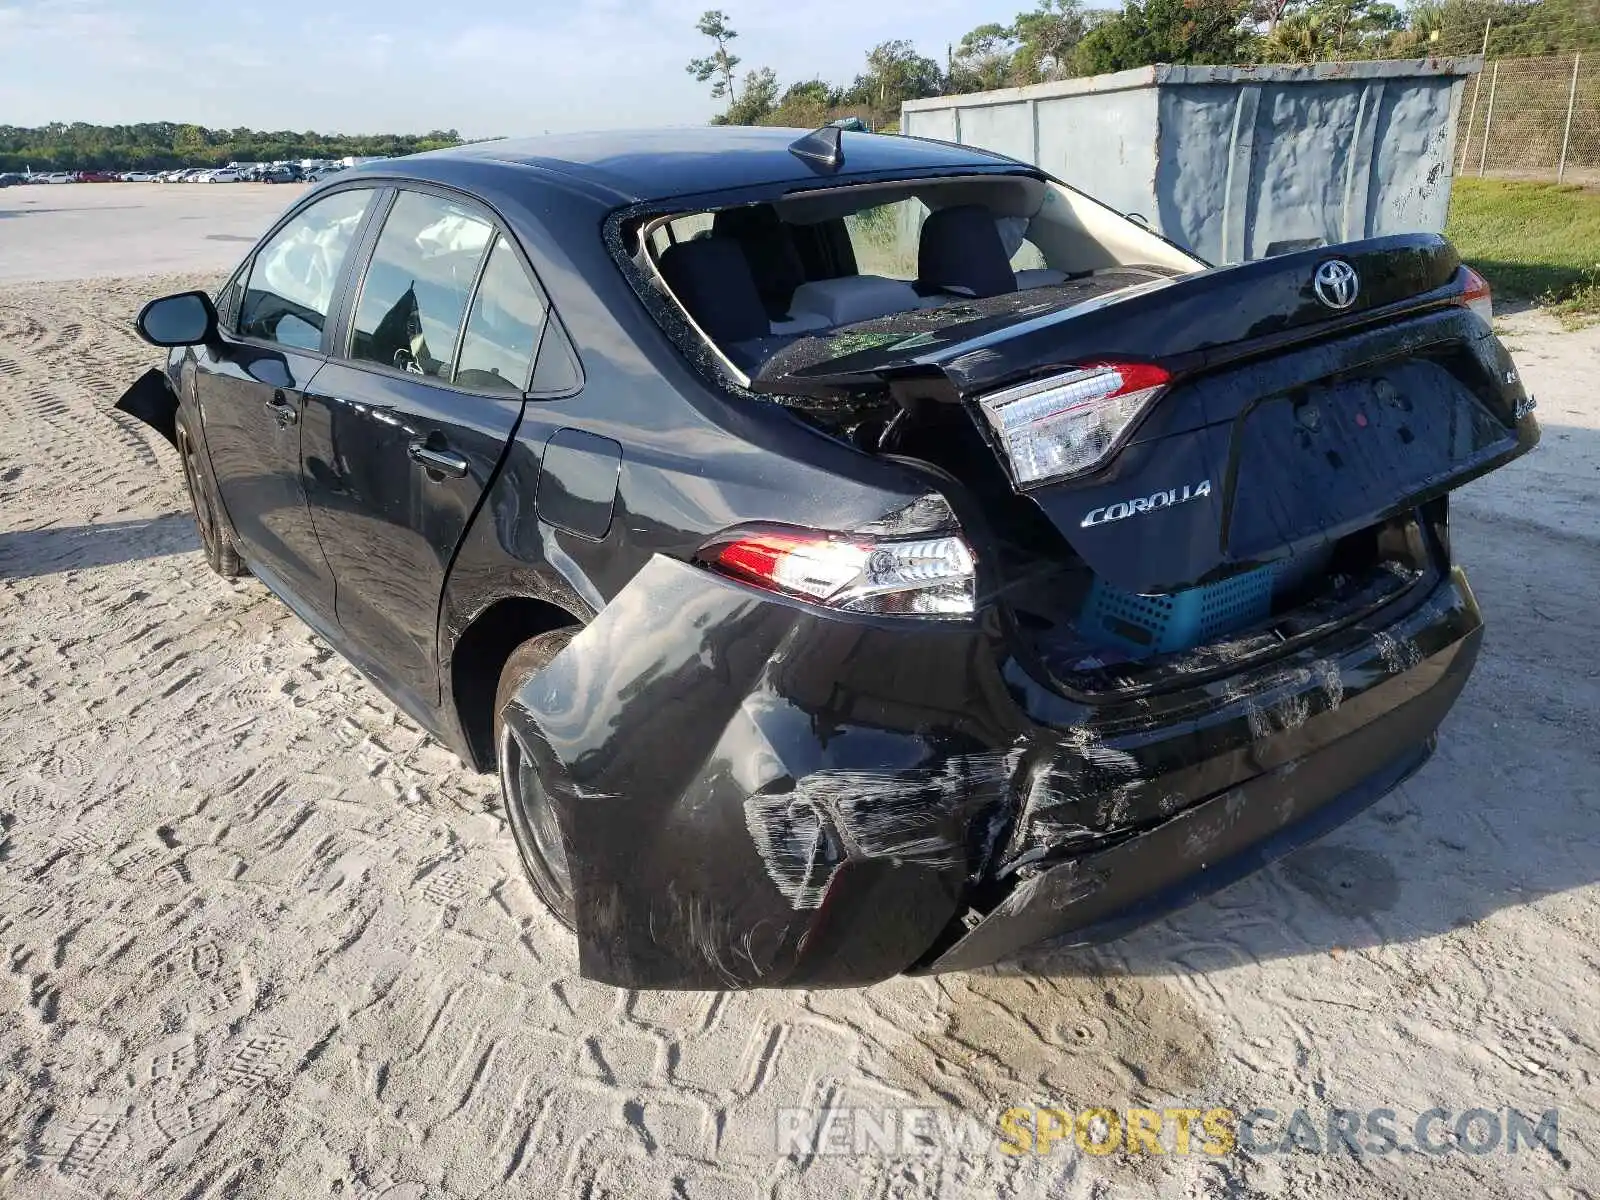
(481, 66)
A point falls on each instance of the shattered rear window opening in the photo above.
(806, 278)
(947, 324)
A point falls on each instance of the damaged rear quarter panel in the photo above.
(735, 793)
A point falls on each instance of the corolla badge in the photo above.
(1144, 504)
(1336, 283)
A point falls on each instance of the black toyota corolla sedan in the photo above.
(855, 554)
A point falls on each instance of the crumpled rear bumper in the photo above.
(755, 793)
(1104, 895)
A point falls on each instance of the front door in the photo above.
(402, 434)
(251, 392)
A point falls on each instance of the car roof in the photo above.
(656, 164)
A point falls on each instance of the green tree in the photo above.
(1357, 25)
(1169, 31)
(895, 73)
(756, 99)
(716, 67)
(189, 139)
(1047, 39)
(1269, 13)
(812, 91)
(160, 144)
(1295, 37)
(983, 59)
(805, 105)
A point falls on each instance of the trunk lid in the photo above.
(1132, 313)
(1288, 423)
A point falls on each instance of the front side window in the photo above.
(503, 328)
(415, 294)
(292, 280)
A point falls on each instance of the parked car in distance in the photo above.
(138, 177)
(9, 178)
(856, 554)
(56, 177)
(283, 173)
(97, 177)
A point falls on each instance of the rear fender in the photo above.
(152, 400)
(740, 803)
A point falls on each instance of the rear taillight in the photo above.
(1068, 424)
(1477, 296)
(925, 576)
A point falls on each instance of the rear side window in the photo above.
(503, 328)
(414, 297)
(294, 274)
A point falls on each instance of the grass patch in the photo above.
(1534, 242)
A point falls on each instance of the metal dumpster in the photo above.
(1235, 162)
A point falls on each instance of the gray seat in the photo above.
(960, 251)
(712, 280)
(769, 248)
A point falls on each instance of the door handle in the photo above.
(282, 411)
(441, 462)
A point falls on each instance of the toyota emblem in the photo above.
(1336, 283)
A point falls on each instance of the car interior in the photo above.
(756, 278)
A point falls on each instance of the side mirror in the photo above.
(187, 319)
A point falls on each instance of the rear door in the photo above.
(251, 390)
(406, 426)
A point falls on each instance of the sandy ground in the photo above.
(262, 937)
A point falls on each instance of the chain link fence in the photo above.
(1533, 118)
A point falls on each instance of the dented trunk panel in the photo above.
(1201, 320)
(1263, 460)
(1287, 425)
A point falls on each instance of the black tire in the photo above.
(535, 825)
(215, 540)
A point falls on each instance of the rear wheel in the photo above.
(535, 825)
(215, 540)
